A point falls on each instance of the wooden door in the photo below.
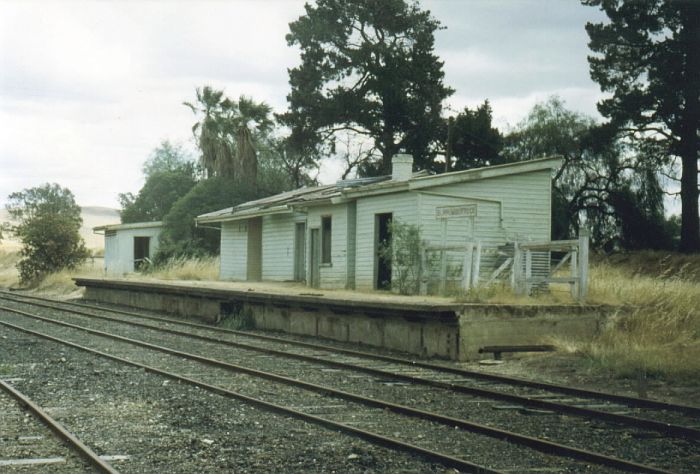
(300, 251)
(314, 259)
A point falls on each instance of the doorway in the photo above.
(382, 249)
(300, 251)
(254, 263)
(142, 247)
(314, 257)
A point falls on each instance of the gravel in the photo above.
(637, 445)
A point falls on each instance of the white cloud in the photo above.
(88, 89)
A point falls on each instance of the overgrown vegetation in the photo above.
(46, 220)
(180, 236)
(170, 174)
(660, 333)
(183, 268)
(403, 252)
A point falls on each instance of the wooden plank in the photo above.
(583, 264)
(574, 274)
(560, 264)
(528, 272)
(535, 280)
(467, 269)
(443, 259)
(517, 280)
(499, 270)
(423, 272)
(449, 248)
(554, 245)
(476, 264)
(31, 461)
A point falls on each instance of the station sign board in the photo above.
(448, 212)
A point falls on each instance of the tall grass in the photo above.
(57, 284)
(203, 268)
(9, 277)
(658, 331)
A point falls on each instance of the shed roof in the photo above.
(351, 189)
(132, 225)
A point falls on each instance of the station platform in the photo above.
(422, 326)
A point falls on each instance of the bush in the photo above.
(47, 222)
(180, 237)
(404, 254)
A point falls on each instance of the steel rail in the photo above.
(627, 400)
(85, 452)
(392, 443)
(666, 428)
(547, 447)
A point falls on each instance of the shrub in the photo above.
(47, 222)
(404, 253)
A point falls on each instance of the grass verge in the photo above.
(657, 335)
(204, 268)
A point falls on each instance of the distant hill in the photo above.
(93, 216)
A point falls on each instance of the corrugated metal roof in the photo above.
(132, 225)
(284, 202)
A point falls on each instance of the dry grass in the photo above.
(658, 334)
(60, 284)
(8, 273)
(205, 268)
(55, 284)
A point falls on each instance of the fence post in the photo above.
(423, 272)
(476, 264)
(467, 267)
(528, 272)
(517, 278)
(573, 262)
(583, 242)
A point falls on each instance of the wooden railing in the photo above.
(525, 275)
(471, 262)
(575, 254)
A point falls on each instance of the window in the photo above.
(326, 239)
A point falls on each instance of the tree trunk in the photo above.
(689, 141)
(247, 161)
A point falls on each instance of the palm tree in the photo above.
(227, 133)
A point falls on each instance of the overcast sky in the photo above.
(88, 89)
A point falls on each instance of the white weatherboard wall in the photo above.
(512, 207)
(524, 200)
(278, 247)
(234, 250)
(402, 205)
(335, 274)
(119, 249)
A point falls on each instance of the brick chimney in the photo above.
(401, 167)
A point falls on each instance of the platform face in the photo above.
(424, 326)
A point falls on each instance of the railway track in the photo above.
(31, 439)
(393, 382)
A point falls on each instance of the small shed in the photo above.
(129, 246)
(329, 236)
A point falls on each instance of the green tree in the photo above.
(368, 67)
(473, 140)
(600, 180)
(47, 221)
(228, 132)
(170, 174)
(180, 236)
(648, 57)
(168, 157)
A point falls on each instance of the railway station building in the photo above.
(329, 236)
(129, 246)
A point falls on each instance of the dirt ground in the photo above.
(577, 371)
